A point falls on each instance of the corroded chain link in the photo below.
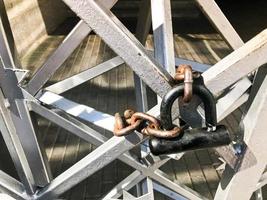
(149, 125)
(185, 73)
(145, 123)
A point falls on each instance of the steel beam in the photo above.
(58, 57)
(15, 149)
(162, 34)
(84, 76)
(96, 160)
(12, 187)
(8, 50)
(116, 35)
(236, 185)
(23, 125)
(220, 22)
(238, 64)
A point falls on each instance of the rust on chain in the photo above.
(128, 114)
(146, 117)
(152, 130)
(132, 121)
(121, 130)
(185, 73)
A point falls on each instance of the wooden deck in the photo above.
(112, 92)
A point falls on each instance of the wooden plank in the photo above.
(198, 178)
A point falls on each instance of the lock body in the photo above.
(191, 139)
(212, 135)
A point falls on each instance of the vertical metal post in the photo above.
(163, 34)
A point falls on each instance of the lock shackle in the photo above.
(198, 89)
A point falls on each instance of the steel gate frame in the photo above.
(16, 105)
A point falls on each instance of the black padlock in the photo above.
(191, 139)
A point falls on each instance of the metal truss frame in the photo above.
(18, 100)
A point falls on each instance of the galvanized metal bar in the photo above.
(239, 102)
(78, 79)
(84, 76)
(126, 184)
(8, 50)
(100, 119)
(220, 22)
(68, 123)
(258, 194)
(238, 64)
(262, 182)
(165, 180)
(163, 34)
(167, 192)
(96, 160)
(65, 49)
(123, 43)
(23, 125)
(236, 185)
(12, 187)
(227, 101)
(14, 147)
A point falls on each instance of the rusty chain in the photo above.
(149, 125)
(145, 123)
(185, 73)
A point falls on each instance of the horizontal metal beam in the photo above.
(84, 76)
(123, 42)
(84, 112)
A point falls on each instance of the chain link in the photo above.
(142, 122)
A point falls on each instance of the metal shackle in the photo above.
(198, 89)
